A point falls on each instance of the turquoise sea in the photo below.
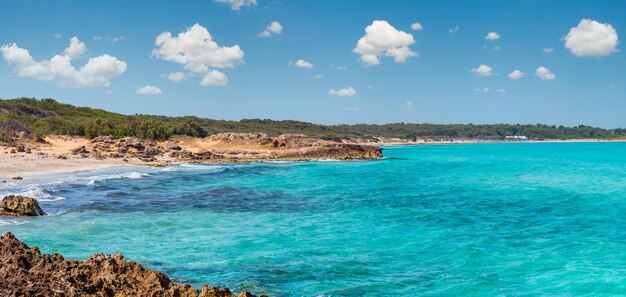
(435, 220)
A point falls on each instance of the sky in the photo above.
(328, 62)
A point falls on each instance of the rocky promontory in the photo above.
(25, 271)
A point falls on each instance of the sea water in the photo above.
(433, 220)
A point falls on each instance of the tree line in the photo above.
(38, 118)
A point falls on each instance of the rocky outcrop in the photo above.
(241, 138)
(225, 147)
(25, 271)
(103, 147)
(20, 206)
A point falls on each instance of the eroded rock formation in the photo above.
(25, 271)
(226, 147)
(20, 206)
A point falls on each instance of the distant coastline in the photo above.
(402, 142)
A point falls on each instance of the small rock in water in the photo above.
(20, 206)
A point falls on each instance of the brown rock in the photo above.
(17, 178)
(79, 150)
(20, 206)
(25, 271)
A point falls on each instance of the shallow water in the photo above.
(440, 220)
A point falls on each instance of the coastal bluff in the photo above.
(24, 271)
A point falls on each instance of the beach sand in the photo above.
(42, 159)
(24, 165)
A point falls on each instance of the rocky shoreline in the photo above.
(218, 148)
(24, 271)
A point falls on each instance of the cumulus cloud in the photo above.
(97, 72)
(454, 29)
(409, 104)
(238, 4)
(548, 50)
(591, 38)
(76, 49)
(214, 78)
(176, 76)
(544, 74)
(483, 70)
(492, 36)
(302, 64)
(382, 39)
(416, 26)
(196, 50)
(148, 90)
(516, 74)
(344, 92)
(272, 29)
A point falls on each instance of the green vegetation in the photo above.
(37, 118)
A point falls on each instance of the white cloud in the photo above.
(238, 4)
(483, 70)
(454, 29)
(382, 39)
(97, 72)
(492, 36)
(302, 64)
(548, 50)
(148, 90)
(57, 35)
(196, 50)
(409, 104)
(177, 76)
(353, 109)
(344, 92)
(500, 91)
(484, 89)
(273, 28)
(319, 76)
(591, 38)
(544, 74)
(516, 74)
(76, 49)
(108, 37)
(338, 67)
(214, 79)
(416, 26)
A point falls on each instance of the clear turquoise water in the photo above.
(440, 220)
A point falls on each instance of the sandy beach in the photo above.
(29, 165)
(44, 159)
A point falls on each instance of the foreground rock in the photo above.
(25, 271)
(20, 206)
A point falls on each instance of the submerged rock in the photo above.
(20, 206)
(25, 271)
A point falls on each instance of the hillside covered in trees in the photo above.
(37, 118)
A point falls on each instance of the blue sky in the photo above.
(433, 83)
